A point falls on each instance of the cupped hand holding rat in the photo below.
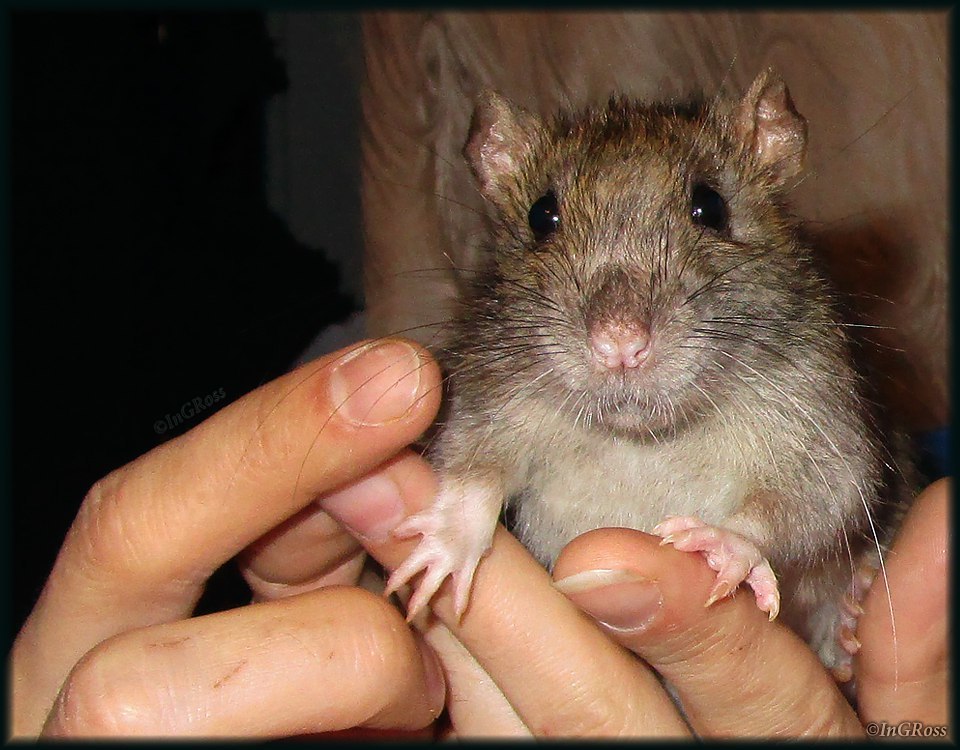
(111, 649)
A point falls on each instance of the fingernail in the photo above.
(376, 383)
(620, 600)
(369, 509)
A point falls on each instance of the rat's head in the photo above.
(635, 244)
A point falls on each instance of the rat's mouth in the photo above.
(653, 398)
(622, 407)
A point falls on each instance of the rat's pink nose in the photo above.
(620, 346)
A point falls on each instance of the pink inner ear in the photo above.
(775, 142)
(495, 157)
(500, 135)
(779, 132)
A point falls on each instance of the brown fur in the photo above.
(747, 412)
(872, 84)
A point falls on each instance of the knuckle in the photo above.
(820, 724)
(101, 697)
(587, 716)
(385, 624)
(121, 536)
(385, 646)
(266, 445)
(103, 525)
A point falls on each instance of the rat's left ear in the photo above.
(771, 127)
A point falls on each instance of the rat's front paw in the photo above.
(457, 531)
(735, 559)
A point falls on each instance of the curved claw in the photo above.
(674, 524)
(721, 590)
(456, 532)
(766, 590)
(462, 583)
(429, 586)
(735, 559)
(402, 575)
(436, 559)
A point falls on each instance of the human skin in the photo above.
(504, 653)
(111, 648)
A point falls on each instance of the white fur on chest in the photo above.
(586, 480)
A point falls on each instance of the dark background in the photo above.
(147, 268)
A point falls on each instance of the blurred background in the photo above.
(184, 219)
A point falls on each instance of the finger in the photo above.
(370, 508)
(305, 552)
(902, 672)
(476, 705)
(325, 661)
(149, 534)
(651, 599)
(555, 670)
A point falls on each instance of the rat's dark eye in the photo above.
(544, 216)
(707, 208)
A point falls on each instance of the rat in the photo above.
(651, 345)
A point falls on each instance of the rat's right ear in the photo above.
(501, 136)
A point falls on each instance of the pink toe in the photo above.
(849, 641)
(413, 526)
(843, 672)
(852, 607)
(424, 593)
(700, 539)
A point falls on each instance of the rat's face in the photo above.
(640, 257)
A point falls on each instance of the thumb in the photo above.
(735, 672)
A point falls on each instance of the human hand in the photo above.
(778, 686)
(111, 648)
(525, 661)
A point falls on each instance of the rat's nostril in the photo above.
(616, 346)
